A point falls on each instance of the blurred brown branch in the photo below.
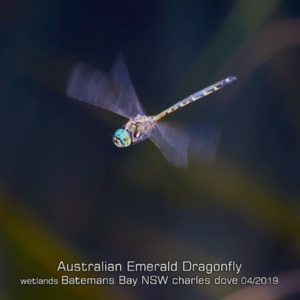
(261, 47)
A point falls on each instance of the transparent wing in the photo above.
(177, 145)
(114, 93)
(204, 143)
(172, 142)
(120, 75)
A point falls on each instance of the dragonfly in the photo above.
(115, 92)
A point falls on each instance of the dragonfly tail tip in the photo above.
(231, 78)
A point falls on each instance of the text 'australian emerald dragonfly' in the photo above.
(115, 92)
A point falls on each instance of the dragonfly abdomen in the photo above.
(212, 88)
(205, 92)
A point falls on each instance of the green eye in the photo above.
(122, 138)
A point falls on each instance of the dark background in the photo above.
(67, 193)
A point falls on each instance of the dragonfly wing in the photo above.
(114, 93)
(172, 142)
(204, 143)
(177, 145)
(120, 75)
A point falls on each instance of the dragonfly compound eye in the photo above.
(122, 138)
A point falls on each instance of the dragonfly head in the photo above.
(122, 138)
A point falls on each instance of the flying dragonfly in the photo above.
(115, 93)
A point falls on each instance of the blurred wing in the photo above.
(113, 93)
(172, 142)
(204, 144)
(177, 145)
(120, 75)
